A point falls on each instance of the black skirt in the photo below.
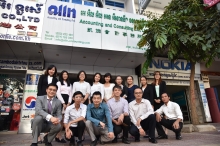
(65, 98)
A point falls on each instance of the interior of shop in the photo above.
(215, 83)
(178, 95)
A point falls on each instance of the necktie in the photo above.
(49, 106)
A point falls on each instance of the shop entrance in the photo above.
(178, 95)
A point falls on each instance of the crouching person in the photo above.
(47, 116)
(99, 122)
(74, 119)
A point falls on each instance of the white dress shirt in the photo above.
(97, 87)
(84, 87)
(172, 111)
(49, 79)
(72, 114)
(49, 115)
(140, 110)
(157, 88)
(64, 89)
(108, 91)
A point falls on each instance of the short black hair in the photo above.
(138, 88)
(108, 75)
(95, 93)
(49, 68)
(165, 93)
(80, 73)
(52, 84)
(77, 93)
(116, 86)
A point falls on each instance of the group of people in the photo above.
(103, 110)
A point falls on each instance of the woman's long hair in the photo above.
(61, 78)
(49, 68)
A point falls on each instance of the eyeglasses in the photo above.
(54, 90)
(138, 93)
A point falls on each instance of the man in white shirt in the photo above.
(173, 119)
(142, 117)
(74, 119)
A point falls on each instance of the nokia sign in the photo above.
(166, 64)
(62, 11)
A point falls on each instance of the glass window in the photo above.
(64, 0)
(114, 4)
(89, 3)
(77, 1)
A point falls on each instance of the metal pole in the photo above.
(218, 6)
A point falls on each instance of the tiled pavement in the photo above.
(189, 139)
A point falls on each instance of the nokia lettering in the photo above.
(62, 11)
(166, 64)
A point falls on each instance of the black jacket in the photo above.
(42, 85)
(124, 91)
(162, 89)
(148, 94)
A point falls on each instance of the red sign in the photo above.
(211, 3)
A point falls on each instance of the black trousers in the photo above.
(147, 124)
(125, 127)
(169, 125)
(77, 131)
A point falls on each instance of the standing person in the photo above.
(47, 116)
(97, 86)
(99, 122)
(64, 94)
(142, 117)
(108, 86)
(147, 90)
(118, 108)
(173, 120)
(131, 87)
(74, 119)
(118, 81)
(48, 77)
(82, 86)
(159, 87)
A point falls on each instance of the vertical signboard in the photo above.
(21, 20)
(29, 101)
(204, 102)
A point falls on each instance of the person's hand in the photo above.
(139, 122)
(125, 114)
(158, 117)
(68, 133)
(176, 125)
(111, 135)
(121, 118)
(142, 132)
(83, 100)
(157, 100)
(64, 106)
(68, 104)
(102, 125)
(54, 120)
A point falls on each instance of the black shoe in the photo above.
(48, 144)
(60, 141)
(34, 144)
(162, 137)
(146, 136)
(115, 140)
(45, 139)
(79, 143)
(102, 142)
(72, 144)
(179, 137)
(152, 140)
(40, 142)
(93, 143)
(125, 140)
(137, 139)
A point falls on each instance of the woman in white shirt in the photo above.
(82, 86)
(97, 86)
(108, 86)
(64, 94)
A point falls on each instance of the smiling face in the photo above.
(138, 93)
(143, 81)
(129, 81)
(51, 71)
(118, 80)
(117, 92)
(157, 75)
(78, 99)
(97, 78)
(51, 91)
(96, 99)
(82, 76)
(107, 79)
(65, 76)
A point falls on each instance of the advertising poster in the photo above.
(29, 100)
(91, 27)
(205, 102)
(21, 20)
